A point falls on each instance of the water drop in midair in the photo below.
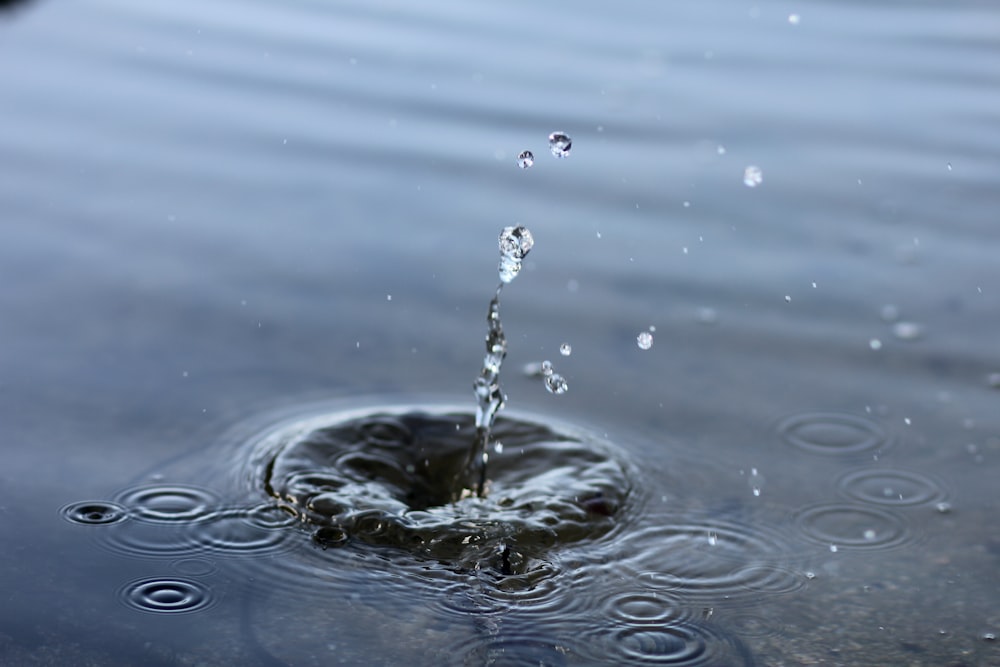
(525, 159)
(560, 144)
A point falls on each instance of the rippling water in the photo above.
(247, 252)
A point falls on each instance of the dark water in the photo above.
(237, 235)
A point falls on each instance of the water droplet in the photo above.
(546, 368)
(949, 166)
(753, 176)
(810, 575)
(989, 636)
(556, 384)
(720, 149)
(560, 144)
(565, 349)
(943, 507)
(525, 159)
(794, 19)
(907, 330)
(713, 538)
(833, 548)
(515, 243)
(889, 313)
(907, 421)
(644, 340)
(875, 344)
(756, 491)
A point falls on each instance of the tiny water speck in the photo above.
(875, 344)
(644, 340)
(525, 159)
(546, 369)
(720, 149)
(794, 19)
(833, 548)
(943, 507)
(788, 298)
(565, 349)
(713, 538)
(560, 144)
(752, 176)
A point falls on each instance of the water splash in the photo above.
(515, 243)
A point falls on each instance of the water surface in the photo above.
(223, 218)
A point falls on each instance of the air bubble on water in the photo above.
(943, 507)
(498, 447)
(989, 636)
(907, 330)
(788, 298)
(756, 491)
(794, 19)
(565, 349)
(644, 340)
(870, 535)
(556, 384)
(833, 548)
(713, 538)
(560, 144)
(752, 176)
(652, 328)
(515, 243)
(875, 344)
(907, 421)
(525, 159)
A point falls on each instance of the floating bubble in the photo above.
(94, 512)
(644, 340)
(560, 144)
(525, 159)
(556, 384)
(565, 349)
(166, 596)
(753, 176)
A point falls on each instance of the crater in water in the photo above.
(393, 478)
